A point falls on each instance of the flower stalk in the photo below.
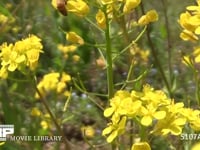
(53, 118)
(109, 60)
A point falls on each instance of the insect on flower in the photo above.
(61, 6)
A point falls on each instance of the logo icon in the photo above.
(6, 130)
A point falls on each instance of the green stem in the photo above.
(157, 62)
(53, 118)
(169, 43)
(109, 59)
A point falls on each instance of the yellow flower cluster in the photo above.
(140, 55)
(129, 5)
(75, 40)
(53, 82)
(190, 22)
(23, 53)
(45, 122)
(148, 106)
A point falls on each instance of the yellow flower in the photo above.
(78, 7)
(75, 58)
(115, 129)
(196, 146)
(35, 112)
(3, 72)
(101, 19)
(22, 53)
(173, 122)
(66, 49)
(151, 16)
(3, 19)
(88, 131)
(129, 107)
(141, 146)
(74, 38)
(187, 61)
(185, 22)
(53, 82)
(53, 3)
(44, 124)
(115, 103)
(149, 113)
(187, 35)
(130, 4)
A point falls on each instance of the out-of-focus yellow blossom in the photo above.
(114, 129)
(75, 58)
(140, 55)
(54, 4)
(78, 7)
(196, 54)
(101, 62)
(23, 53)
(88, 131)
(44, 124)
(67, 93)
(74, 38)
(101, 19)
(35, 112)
(53, 82)
(141, 146)
(194, 58)
(196, 146)
(2, 143)
(186, 60)
(151, 16)
(68, 48)
(130, 5)
(3, 19)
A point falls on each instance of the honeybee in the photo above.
(61, 6)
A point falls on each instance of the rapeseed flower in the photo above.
(35, 112)
(23, 53)
(190, 23)
(149, 113)
(150, 16)
(130, 5)
(74, 38)
(101, 19)
(78, 7)
(141, 146)
(88, 131)
(53, 82)
(114, 129)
